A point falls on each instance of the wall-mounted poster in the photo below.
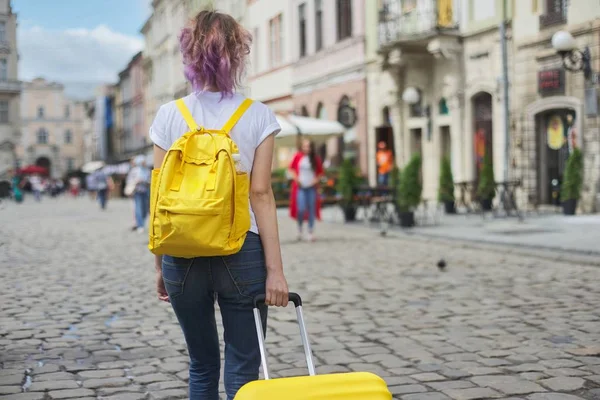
(556, 132)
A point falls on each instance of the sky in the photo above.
(80, 43)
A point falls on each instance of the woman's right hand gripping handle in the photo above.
(263, 205)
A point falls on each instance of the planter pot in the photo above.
(569, 206)
(349, 214)
(407, 219)
(486, 204)
(449, 207)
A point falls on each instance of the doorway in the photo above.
(445, 143)
(44, 162)
(483, 128)
(385, 134)
(416, 137)
(553, 134)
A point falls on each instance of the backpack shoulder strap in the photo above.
(237, 115)
(187, 115)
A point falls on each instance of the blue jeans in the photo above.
(193, 285)
(142, 207)
(383, 179)
(307, 202)
(102, 197)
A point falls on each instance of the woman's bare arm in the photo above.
(263, 205)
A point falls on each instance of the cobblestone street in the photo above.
(79, 317)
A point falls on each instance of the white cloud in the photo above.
(74, 55)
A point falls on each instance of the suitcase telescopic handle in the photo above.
(293, 297)
(297, 300)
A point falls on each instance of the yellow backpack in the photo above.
(199, 203)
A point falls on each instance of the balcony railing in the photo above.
(10, 86)
(553, 18)
(405, 20)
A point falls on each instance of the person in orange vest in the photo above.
(385, 163)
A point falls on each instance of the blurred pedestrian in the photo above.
(37, 186)
(385, 164)
(138, 186)
(90, 186)
(214, 48)
(306, 170)
(103, 184)
(60, 186)
(74, 186)
(17, 188)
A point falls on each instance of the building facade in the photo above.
(329, 72)
(104, 112)
(416, 80)
(235, 8)
(131, 126)
(52, 128)
(89, 135)
(162, 63)
(270, 73)
(10, 89)
(548, 99)
(271, 60)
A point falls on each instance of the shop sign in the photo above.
(551, 82)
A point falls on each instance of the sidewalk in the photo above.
(555, 232)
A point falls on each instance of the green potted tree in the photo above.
(395, 177)
(446, 186)
(572, 183)
(348, 182)
(409, 192)
(486, 190)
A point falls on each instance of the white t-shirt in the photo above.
(306, 174)
(212, 112)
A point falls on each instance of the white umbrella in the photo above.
(92, 166)
(317, 130)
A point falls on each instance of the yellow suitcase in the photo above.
(344, 386)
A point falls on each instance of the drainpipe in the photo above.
(503, 43)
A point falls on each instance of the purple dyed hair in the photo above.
(214, 48)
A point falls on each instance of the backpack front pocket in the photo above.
(190, 223)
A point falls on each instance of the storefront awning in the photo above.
(317, 130)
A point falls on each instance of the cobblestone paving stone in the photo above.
(79, 318)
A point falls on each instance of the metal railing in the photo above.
(403, 20)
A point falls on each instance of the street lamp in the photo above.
(411, 95)
(573, 59)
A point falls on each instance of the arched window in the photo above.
(42, 136)
(346, 113)
(304, 111)
(443, 107)
(321, 111)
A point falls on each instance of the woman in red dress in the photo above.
(306, 170)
